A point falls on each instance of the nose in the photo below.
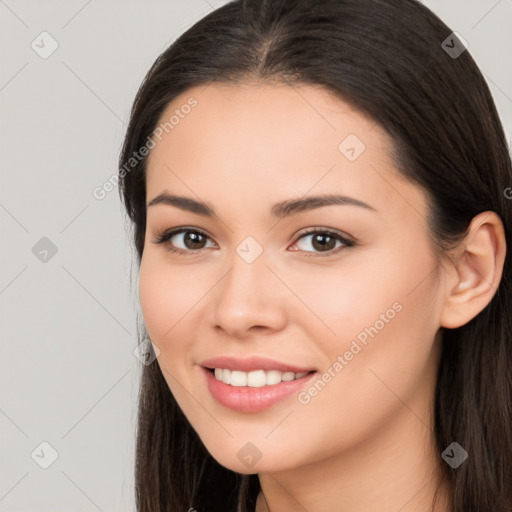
(249, 300)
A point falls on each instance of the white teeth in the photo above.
(273, 377)
(238, 378)
(256, 378)
(287, 376)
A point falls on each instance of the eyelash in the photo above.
(165, 236)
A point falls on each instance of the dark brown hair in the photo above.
(386, 58)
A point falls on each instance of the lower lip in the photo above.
(248, 399)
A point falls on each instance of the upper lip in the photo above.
(252, 363)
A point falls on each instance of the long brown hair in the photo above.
(387, 58)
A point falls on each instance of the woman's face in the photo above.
(361, 311)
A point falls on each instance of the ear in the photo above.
(477, 267)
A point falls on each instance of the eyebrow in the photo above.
(279, 210)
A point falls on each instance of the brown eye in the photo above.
(186, 241)
(322, 241)
(193, 240)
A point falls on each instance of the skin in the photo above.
(365, 442)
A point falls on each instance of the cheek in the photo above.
(381, 324)
(391, 285)
(344, 300)
(372, 369)
(166, 299)
(153, 300)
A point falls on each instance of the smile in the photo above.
(246, 391)
(255, 379)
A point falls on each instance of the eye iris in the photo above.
(195, 238)
(320, 239)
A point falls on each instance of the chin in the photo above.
(248, 460)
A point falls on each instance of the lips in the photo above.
(246, 399)
(252, 364)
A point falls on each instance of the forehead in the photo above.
(268, 142)
(240, 119)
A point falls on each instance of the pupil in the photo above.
(195, 238)
(322, 245)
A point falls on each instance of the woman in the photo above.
(318, 198)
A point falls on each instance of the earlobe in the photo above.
(477, 270)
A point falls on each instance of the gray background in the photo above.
(69, 376)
